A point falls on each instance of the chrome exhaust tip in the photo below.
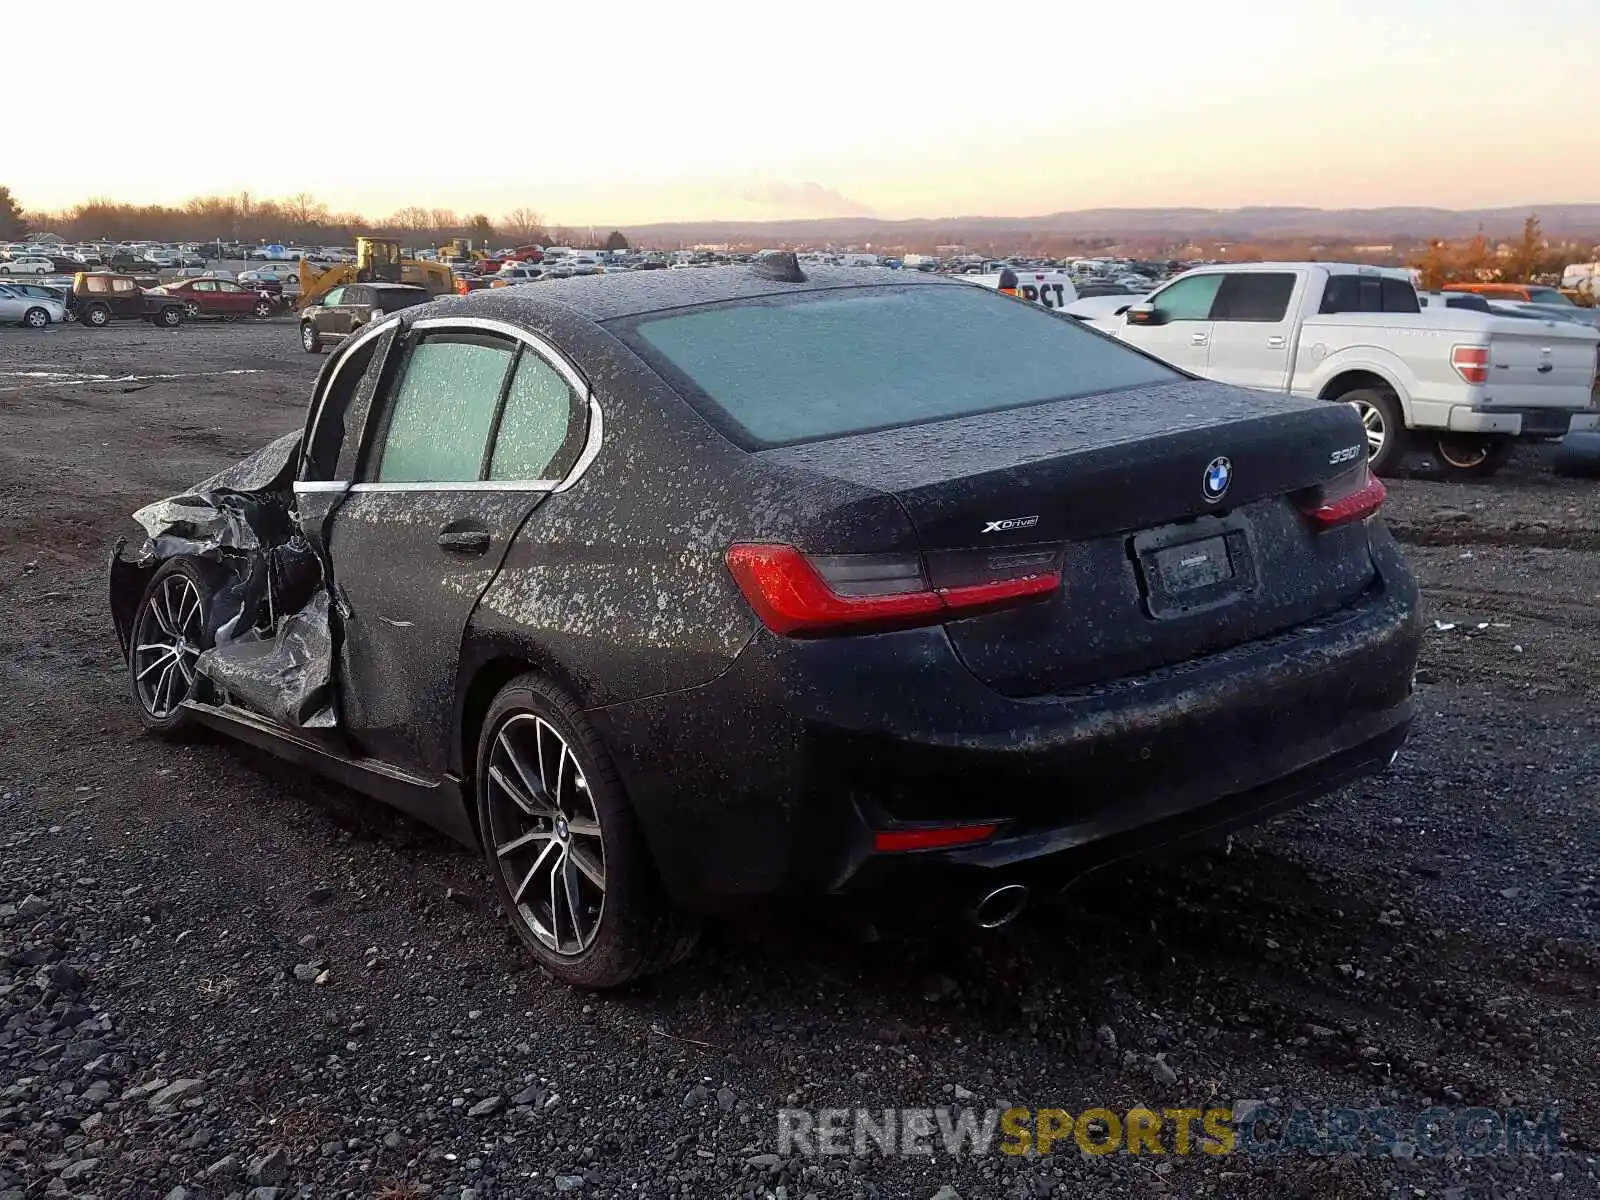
(1000, 907)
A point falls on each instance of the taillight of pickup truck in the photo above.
(1471, 363)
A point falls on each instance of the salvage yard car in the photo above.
(346, 311)
(1471, 383)
(100, 297)
(17, 307)
(218, 298)
(675, 590)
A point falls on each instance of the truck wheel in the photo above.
(310, 342)
(97, 315)
(1387, 436)
(170, 317)
(1472, 455)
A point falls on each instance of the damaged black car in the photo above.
(673, 591)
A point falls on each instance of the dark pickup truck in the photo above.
(101, 297)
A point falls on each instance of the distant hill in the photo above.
(1377, 224)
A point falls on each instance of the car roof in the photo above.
(392, 287)
(635, 293)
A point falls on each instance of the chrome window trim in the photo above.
(580, 386)
(302, 486)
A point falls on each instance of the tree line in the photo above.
(299, 218)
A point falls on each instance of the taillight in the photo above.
(798, 595)
(1471, 363)
(1353, 496)
(930, 837)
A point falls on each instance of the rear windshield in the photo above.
(776, 371)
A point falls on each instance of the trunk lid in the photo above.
(1157, 567)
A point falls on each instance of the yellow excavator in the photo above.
(378, 260)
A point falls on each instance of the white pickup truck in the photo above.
(1470, 383)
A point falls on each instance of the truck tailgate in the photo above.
(1541, 367)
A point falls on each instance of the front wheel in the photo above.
(36, 318)
(171, 630)
(262, 310)
(1387, 437)
(1472, 455)
(310, 340)
(170, 317)
(191, 309)
(569, 863)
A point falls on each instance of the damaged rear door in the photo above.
(466, 435)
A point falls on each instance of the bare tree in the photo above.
(525, 223)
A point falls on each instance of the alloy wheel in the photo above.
(191, 308)
(545, 832)
(37, 318)
(167, 643)
(1372, 422)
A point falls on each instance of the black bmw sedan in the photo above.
(674, 590)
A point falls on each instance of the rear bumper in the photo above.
(771, 779)
(1514, 422)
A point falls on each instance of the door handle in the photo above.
(1275, 342)
(1197, 339)
(464, 541)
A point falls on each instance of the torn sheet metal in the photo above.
(283, 672)
(271, 621)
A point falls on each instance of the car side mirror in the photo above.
(1145, 314)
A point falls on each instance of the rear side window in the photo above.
(819, 365)
(536, 422)
(1253, 296)
(123, 285)
(442, 410)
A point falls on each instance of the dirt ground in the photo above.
(1426, 938)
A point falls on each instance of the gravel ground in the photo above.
(222, 978)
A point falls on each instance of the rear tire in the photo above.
(310, 339)
(173, 624)
(96, 315)
(569, 864)
(1472, 455)
(1388, 440)
(170, 317)
(36, 318)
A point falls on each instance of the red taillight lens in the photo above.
(1471, 363)
(933, 837)
(797, 595)
(1354, 496)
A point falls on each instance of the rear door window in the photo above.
(441, 412)
(780, 370)
(1253, 296)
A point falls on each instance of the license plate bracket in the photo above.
(1188, 568)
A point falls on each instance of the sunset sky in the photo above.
(625, 113)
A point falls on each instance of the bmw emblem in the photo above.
(1219, 474)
